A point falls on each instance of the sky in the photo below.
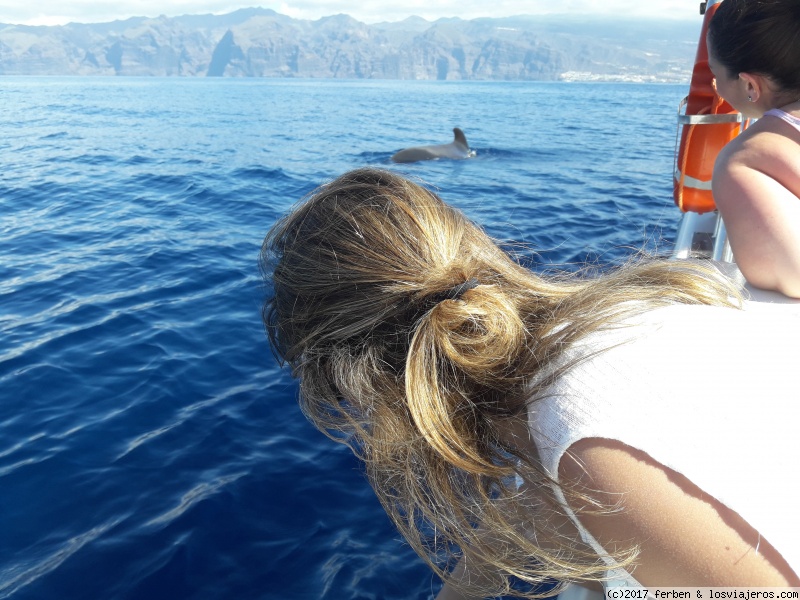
(59, 12)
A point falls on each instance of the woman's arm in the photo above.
(450, 592)
(686, 538)
(762, 214)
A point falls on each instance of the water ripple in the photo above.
(19, 575)
(193, 496)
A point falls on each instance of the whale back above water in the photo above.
(457, 149)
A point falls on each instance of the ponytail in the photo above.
(461, 347)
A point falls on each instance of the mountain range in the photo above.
(257, 42)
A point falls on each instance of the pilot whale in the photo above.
(457, 149)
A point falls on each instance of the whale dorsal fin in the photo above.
(459, 137)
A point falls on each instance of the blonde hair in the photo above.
(421, 385)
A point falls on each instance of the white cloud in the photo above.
(52, 12)
(470, 9)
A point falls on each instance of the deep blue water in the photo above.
(150, 447)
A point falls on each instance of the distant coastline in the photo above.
(258, 42)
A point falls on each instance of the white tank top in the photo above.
(710, 392)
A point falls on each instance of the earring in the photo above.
(750, 98)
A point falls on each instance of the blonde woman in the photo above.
(609, 430)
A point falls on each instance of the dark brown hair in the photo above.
(760, 37)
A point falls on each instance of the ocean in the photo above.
(150, 446)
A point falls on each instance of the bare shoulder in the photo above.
(769, 146)
(756, 186)
(685, 537)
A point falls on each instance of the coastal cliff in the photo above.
(262, 43)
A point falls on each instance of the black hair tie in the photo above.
(457, 291)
